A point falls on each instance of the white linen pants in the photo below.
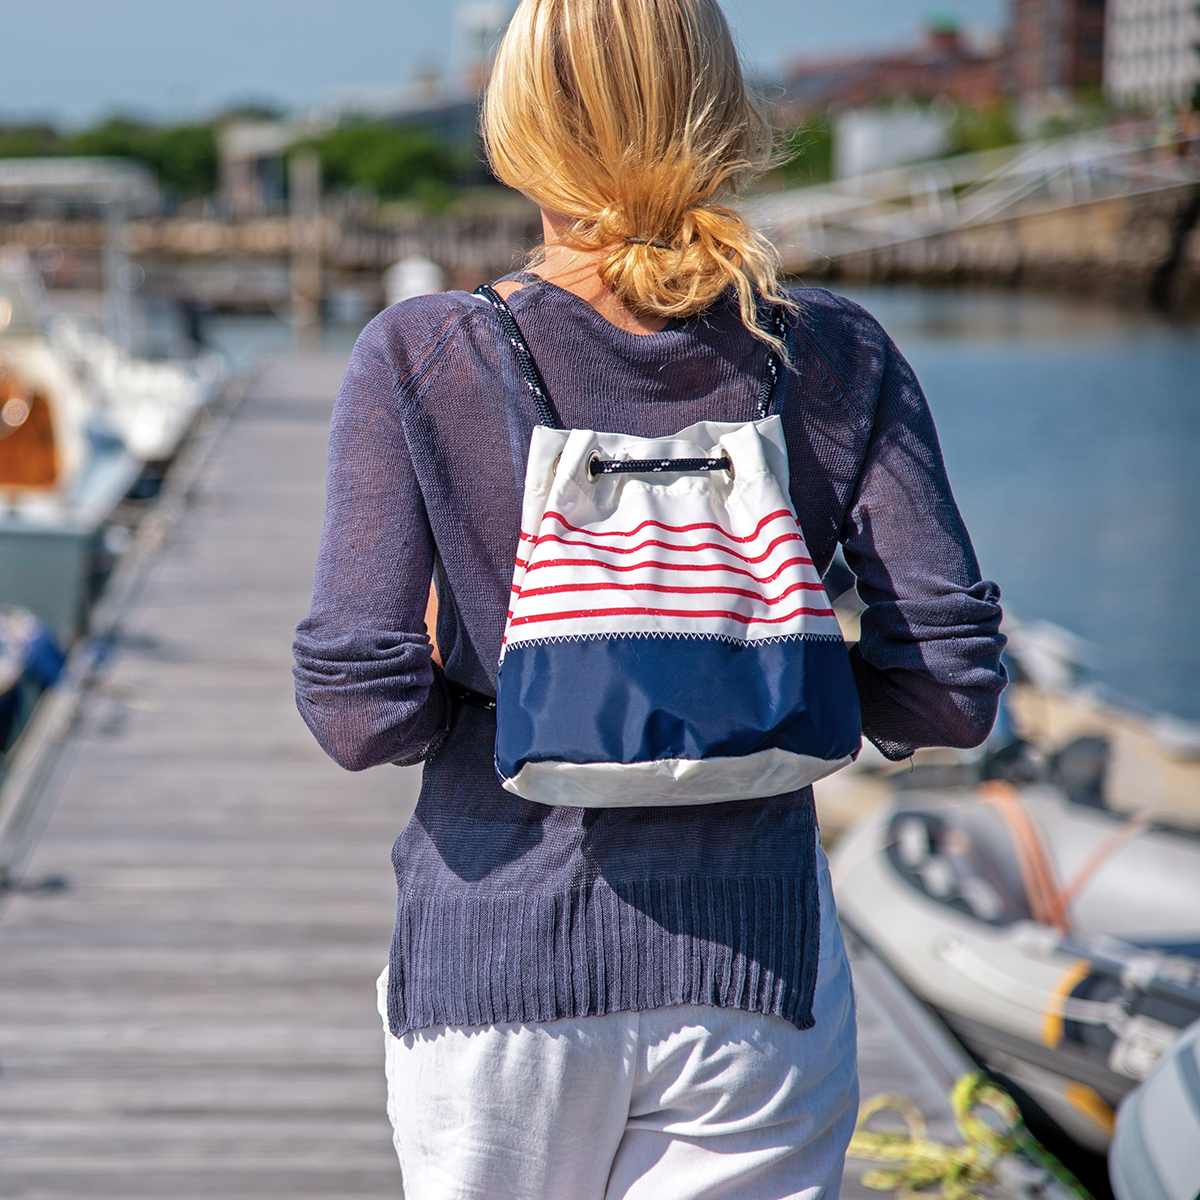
(682, 1103)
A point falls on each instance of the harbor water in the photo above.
(1071, 433)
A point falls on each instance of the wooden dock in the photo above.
(902, 1050)
(193, 1013)
(187, 964)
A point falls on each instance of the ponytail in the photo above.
(631, 119)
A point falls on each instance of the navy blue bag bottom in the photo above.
(636, 714)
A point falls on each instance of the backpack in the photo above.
(668, 640)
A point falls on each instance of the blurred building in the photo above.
(946, 67)
(1057, 50)
(870, 139)
(1152, 53)
(253, 155)
(251, 177)
(478, 27)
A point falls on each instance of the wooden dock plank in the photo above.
(194, 1014)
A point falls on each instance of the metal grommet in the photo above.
(554, 464)
(729, 469)
(592, 460)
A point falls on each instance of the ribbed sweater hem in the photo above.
(468, 960)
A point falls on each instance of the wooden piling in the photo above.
(304, 200)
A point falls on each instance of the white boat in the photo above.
(62, 472)
(1060, 942)
(150, 405)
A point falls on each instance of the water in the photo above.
(1071, 434)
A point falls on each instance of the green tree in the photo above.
(390, 161)
(29, 141)
(809, 152)
(184, 157)
(975, 129)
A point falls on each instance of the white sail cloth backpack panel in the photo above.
(669, 640)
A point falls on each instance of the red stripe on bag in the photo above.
(664, 566)
(613, 585)
(593, 613)
(782, 512)
(783, 537)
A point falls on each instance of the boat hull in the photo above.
(1022, 999)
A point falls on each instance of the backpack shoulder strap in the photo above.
(770, 380)
(533, 377)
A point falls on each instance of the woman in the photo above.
(620, 1002)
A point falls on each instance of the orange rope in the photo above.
(1046, 902)
(1049, 903)
(1107, 848)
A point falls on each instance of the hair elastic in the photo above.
(640, 241)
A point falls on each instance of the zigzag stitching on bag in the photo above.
(645, 633)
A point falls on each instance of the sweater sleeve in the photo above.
(928, 663)
(365, 681)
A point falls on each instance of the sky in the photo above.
(77, 60)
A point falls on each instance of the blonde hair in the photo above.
(631, 119)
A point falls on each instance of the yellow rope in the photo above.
(924, 1162)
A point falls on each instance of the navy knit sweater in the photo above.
(514, 911)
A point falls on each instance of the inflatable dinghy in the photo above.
(1058, 941)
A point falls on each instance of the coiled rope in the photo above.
(923, 1162)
